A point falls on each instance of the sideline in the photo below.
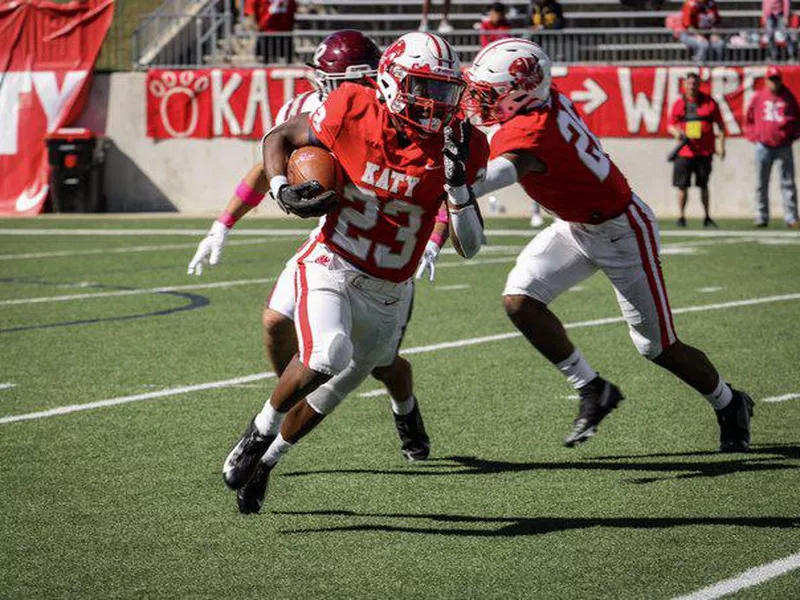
(63, 410)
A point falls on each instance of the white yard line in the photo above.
(7, 386)
(51, 231)
(783, 398)
(451, 288)
(174, 288)
(139, 232)
(64, 410)
(128, 249)
(745, 580)
(374, 393)
(417, 350)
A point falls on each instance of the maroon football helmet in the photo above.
(346, 55)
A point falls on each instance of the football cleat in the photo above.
(411, 429)
(681, 222)
(734, 423)
(244, 457)
(708, 222)
(598, 398)
(250, 497)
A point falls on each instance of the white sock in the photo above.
(268, 421)
(721, 396)
(276, 450)
(404, 407)
(577, 370)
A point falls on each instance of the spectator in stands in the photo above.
(698, 18)
(772, 122)
(547, 14)
(494, 26)
(775, 15)
(444, 25)
(274, 16)
(692, 120)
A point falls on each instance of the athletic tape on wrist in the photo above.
(227, 219)
(276, 183)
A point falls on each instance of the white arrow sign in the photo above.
(593, 95)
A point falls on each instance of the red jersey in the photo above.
(387, 213)
(697, 15)
(491, 32)
(697, 120)
(773, 119)
(274, 15)
(582, 184)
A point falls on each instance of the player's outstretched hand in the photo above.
(306, 199)
(428, 261)
(209, 251)
(456, 146)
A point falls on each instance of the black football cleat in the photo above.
(250, 497)
(598, 398)
(734, 423)
(244, 457)
(710, 223)
(411, 429)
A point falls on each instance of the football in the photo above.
(312, 163)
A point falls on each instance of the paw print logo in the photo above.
(179, 89)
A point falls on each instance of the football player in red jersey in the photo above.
(346, 55)
(404, 154)
(539, 140)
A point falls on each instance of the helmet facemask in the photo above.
(325, 82)
(425, 100)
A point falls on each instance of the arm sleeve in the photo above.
(717, 116)
(749, 120)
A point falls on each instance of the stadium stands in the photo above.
(597, 31)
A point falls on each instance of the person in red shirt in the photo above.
(403, 155)
(775, 16)
(274, 16)
(540, 140)
(494, 25)
(698, 17)
(772, 123)
(692, 120)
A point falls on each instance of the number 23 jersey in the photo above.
(389, 206)
(581, 183)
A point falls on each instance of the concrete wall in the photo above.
(198, 176)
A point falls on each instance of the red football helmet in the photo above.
(346, 55)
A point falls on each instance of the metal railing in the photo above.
(216, 41)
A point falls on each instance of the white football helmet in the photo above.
(419, 78)
(507, 76)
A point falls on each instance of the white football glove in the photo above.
(428, 260)
(210, 249)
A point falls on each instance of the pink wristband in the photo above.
(227, 219)
(248, 195)
(437, 238)
(442, 216)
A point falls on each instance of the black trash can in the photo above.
(76, 158)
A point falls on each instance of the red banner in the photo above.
(636, 101)
(47, 53)
(206, 103)
(614, 101)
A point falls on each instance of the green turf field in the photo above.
(126, 500)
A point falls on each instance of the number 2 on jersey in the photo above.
(585, 142)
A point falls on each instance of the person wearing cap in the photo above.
(692, 120)
(772, 123)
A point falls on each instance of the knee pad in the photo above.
(330, 394)
(332, 353)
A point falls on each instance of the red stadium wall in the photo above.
(47, 53)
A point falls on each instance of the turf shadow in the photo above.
(782, 450)
(513, 526)
(660, 471)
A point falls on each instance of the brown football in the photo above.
(312, 163)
